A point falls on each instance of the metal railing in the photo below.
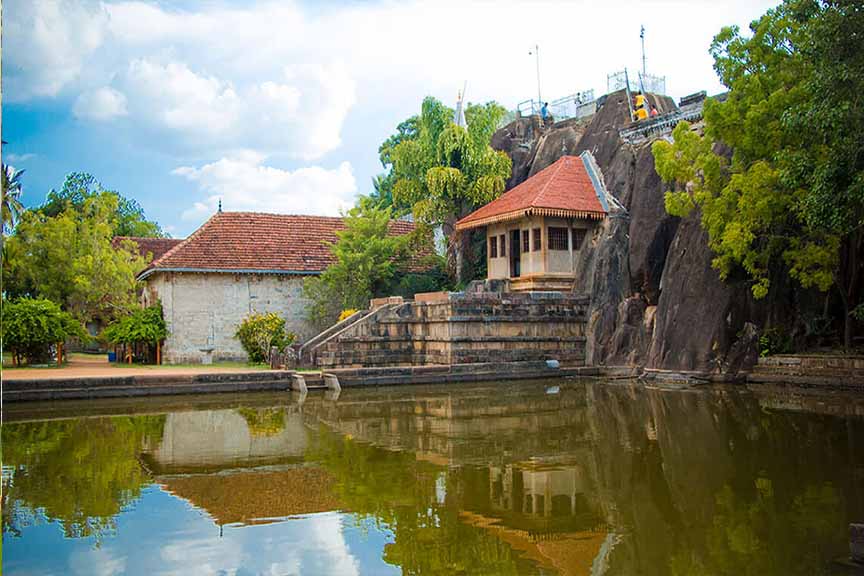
(640, 83)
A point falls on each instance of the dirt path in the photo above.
(97, 366)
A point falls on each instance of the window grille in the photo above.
(526, 247)
(493, 247)
(503, 240)
(536, 240)
(578, 238)
(557, 238)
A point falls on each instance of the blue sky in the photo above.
(281, 106)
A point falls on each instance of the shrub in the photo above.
(774, 341)
(30, 326)
(347, 313)
(142, 325)
(259, 332)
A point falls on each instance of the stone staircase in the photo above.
(817, 370)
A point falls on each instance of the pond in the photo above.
(529, 478)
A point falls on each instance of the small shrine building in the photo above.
(534, 232)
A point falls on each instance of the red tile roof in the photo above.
(255, 242)
(155, 246)
(564, 189)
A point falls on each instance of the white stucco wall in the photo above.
(204, 310)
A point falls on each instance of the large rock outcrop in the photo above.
(655, 300)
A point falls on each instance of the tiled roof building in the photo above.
(259, 243)
(236, 264)
(535, 231)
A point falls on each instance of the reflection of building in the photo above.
(219, 439)
(256, 497)
(544, 513)
(241, 466)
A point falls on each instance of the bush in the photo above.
(143, 325)
(30, 326)
(259, 332)
(347, 313)
(774, 341)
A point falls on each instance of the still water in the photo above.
(530, 478)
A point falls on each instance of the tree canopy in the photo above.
(142, 325)
(370, 262)
(440, 171)
(11, 205)
(69, 259)
(790, 194)
(79, 187)
(29, 326)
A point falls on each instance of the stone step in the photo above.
(808, 380)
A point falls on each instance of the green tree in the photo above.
(69, 259)
(11, 203)
(367, 257)
(259, 332)
(442, 171)
(79, 187)
(30, 326)
(144, 325)
(791, 194)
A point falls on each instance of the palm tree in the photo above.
(11, 201)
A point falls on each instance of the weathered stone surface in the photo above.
(466, 328)
(698, 315)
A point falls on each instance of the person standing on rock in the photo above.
(544, 113)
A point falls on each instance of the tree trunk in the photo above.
(848, 281)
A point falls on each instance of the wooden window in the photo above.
(557, 238)
(503, 240)
(526, 247)
(536, 240)
(493, 247)
(578, 238)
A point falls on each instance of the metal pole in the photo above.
(537, 54)
(642, 36)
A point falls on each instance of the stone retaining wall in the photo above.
(464, 328)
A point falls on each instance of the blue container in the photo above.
(112, 356)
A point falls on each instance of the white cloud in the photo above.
(16, 158)
(243, 182)
(47, 43)
(101, 104)
(177, 98)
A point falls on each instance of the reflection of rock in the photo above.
(222, 438)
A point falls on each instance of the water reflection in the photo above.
(599, 479)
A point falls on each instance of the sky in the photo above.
(281, 106)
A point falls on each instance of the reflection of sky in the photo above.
(162, 534)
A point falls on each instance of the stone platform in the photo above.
(482, 325)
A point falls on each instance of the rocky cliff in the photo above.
(656, 301)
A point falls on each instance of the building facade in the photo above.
(234, 265)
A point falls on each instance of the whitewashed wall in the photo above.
(204, 310)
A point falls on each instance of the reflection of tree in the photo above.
(708, 483)
(401, 493)
(264, 422)
(79, 472)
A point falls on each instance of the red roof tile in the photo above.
(155, 246)
(256, 242)
(563, 189)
